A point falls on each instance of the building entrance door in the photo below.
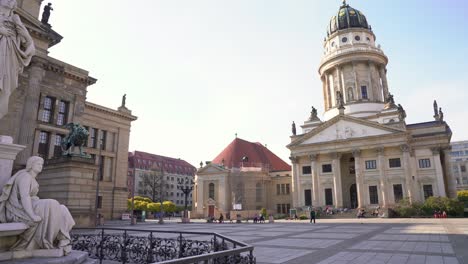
(211, 210)
(353, 196)
(308, 197)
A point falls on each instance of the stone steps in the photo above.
(75, 257)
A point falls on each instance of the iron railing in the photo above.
(141, 246)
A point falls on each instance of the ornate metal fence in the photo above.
(157, 246)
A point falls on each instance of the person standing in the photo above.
(312, 216)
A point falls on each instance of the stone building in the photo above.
(166, 176)
(459, 163)
(363, 153)
(52, 93)
(244, 177)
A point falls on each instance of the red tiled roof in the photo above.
(257, 154)
(148, 161)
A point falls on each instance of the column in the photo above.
(416, 187)
(28, 119)
(407, 171)
(451, 179)
(200, 197)
(315, 180)
(359, 178)
(383, 76)
(222, 195)
(340, 83)
(439, 171)
(295, 181)
(357, 91)
(325, 92)
(337, 189)
(370, 92)
(382, 176)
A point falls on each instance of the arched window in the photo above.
(258, 192)
(211, 191)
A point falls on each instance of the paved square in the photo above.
(342, 241)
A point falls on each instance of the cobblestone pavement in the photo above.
(345, 241)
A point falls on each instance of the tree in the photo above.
(153, 184)
(463, 197)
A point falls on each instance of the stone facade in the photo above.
(459, 163)
(364, 154)
(52, 93)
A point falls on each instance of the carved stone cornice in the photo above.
(313, 157)
(335, 155)
(356, 153)
(294, 160)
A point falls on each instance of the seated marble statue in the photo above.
(49, 222)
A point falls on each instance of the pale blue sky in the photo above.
(197, 72)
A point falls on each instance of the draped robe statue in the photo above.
(16, 51)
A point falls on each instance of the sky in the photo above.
(198, 72)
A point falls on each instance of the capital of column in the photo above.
(356, 153)
(380, 150)
(405, 148)
(294, 159)
(335, 155)
(313, 157)
(436, 151)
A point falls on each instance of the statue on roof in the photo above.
(389, 101)
(436, 111)
(46, 14)
(293, 128)
(441, 115)
(313, 114)
(401, 112)
(339, 100)
(124, 100)
(16, 50)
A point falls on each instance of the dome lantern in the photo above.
(346, 18)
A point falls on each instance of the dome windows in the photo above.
(344, 39)
(333, 44)
(357, 38)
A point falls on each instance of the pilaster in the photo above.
(382, 177)
(407, 169)
(315, 180)
(451, 179)
(295, 181)
(439, 172)
(337, 189)
(359, 177)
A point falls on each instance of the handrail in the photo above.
(196, 259)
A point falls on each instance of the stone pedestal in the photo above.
(72, 182)
(8, 152)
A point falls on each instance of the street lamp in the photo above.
(98, 179)
(186, 190)
(132, 219)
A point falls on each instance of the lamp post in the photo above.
(161, 182)
(186, 190)
(98, 179)
(132, 219)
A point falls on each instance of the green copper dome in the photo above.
(347, 17)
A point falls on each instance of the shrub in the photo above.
(463, 197)
(264, 212)
(303, 217)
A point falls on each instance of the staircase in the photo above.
(75, 257)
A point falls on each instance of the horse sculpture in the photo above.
(77, 137)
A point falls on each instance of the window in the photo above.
(283, 208)
(328, 196)
(394, 163)
(99, 202)
(306, 169)
(344, 40)
(103, 139)
(43, 150)
(58, 145)
(48, 109)
(93, 133)
(427, 189)
(424, 163)
(278, 209)
(211, 191)
(258, 192)
(278, 186)
(357, 38)
(397, 192)
(307, 197)
(463, 168)
(326, 168)
(373, 195)
(288, 207)
(86, 141)
(283, 189)
(364, 92)
(287, 188)
(101, 168)
(371, 164)
(62, 113)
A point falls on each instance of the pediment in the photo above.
(344, 128)
(211, 168)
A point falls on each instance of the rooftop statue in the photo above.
(313, 114)
(77, 136)
(124, 100)
(339, 100)
(293, 128)
(16, 51)
(401, 112)
(46, 14)
(49, 222)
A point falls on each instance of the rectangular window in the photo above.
(93, 134)
(101, 168)
(48, 109)
(371, 164)
(308, 197)
(287, 188)
(398, 192)
(103, 139)
(288, 207)
(373, 195)
(427, 189)
(364, 92)
(278, 191)
(43, 150)
(283, 207)
(58, 145)
(283, 189)
(278, 208)
(463, 168)
(306, 169)
(394, 163)
(424, 163)
(326, 168)
(328, 196)
(62, 113)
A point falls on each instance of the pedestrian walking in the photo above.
(312, 216)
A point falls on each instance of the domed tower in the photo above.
(353, 69)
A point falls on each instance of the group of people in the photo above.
(259, 219)
(439, 214)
